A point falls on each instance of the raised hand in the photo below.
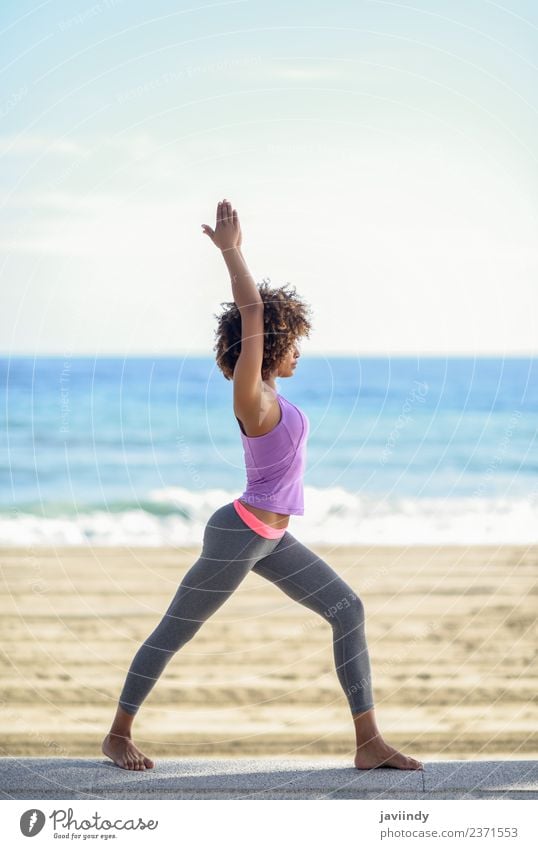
(227, 233)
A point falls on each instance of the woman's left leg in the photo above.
(307, 578)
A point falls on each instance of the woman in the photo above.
(256, 343)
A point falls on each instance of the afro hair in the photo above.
(285, 319)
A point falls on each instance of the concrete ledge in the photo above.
(263, 778)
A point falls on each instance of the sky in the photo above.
(381, 157)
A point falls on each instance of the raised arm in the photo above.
(248, 368)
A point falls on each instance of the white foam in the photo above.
(333, 516)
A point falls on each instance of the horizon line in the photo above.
(314, 355)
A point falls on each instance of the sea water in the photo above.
(141, 450)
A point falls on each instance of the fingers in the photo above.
(235, 219)
(222, 213)
(226, 212)
(208, 230)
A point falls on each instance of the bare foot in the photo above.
(377, 753)
(124, 753)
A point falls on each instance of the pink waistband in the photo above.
(256, 524)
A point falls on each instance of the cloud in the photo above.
(17, 146)
(318, 73)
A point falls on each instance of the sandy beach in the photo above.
(451, 633)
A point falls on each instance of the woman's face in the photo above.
(288, 363)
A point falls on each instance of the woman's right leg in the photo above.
(230, 550)
(305, 577)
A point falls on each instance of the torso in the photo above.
(270, 413)
(275, 520)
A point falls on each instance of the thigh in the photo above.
(230, 550)
(305, 577)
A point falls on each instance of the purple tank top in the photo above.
(275, 463)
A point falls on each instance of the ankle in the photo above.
(120, 732)
(365, 740)
(366, 730)
(367, 735)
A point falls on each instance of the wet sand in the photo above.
(451, 632)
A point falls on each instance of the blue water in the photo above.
(141, 450)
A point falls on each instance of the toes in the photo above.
(130, 759)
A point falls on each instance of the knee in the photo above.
(347, 610)
(171, 634)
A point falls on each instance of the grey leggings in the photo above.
(230, 551)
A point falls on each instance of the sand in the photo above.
(451, 634)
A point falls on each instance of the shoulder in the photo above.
(261, 416)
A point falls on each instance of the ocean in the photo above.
(141, 450)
